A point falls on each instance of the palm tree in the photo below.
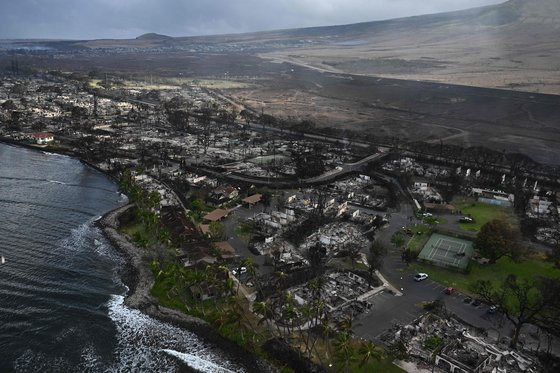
(280, 278)
(344, 349)
(327, 332)
(288, 315)
(165, 236)
(251, 267)
(318, 308)
(266, 310)
(368, 351)
(346, 323)
(308, 313)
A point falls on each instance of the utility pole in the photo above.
(95, 105)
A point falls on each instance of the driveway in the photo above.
(238, 215)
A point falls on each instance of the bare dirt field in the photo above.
(503, 120)
(499, 119)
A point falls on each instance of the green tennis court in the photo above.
(447, 251)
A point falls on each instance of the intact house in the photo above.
(222, 195)
(216, 215)
(493, 197)
(251, 201)
(43, 138)
(227, 251)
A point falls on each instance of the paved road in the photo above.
(321, 179)
(388, 310)
(238, 215)
(337, 140)
(344, 169)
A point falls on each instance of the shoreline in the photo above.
(139, 279)
(68, 153)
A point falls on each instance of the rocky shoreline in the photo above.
(139, 280)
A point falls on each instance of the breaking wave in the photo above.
(146, 344)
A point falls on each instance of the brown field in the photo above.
(467, 116)
(410, 110)
(513, 45)
(411, 78)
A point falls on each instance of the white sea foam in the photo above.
(57, 182)
(123, 199)
(78, 236)
(143, 343)
(197, 363)
(146, 344)
(56, 154)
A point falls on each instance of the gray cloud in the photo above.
(88, 19)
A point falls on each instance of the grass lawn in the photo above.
(383, 365)
(94, 83)
(482, 213)
(136, 231)
(244, 232)
(346, 263)
(374, 366)
(417, 241)
(496, 273)
(433, 220)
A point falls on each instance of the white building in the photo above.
(43, 138)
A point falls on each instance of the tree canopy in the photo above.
(524, 301)
(497, 239)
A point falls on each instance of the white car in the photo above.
(420, 277)
(235, 271)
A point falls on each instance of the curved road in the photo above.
(284, 183)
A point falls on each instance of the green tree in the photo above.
(398, 239)
(554, 254)
(497, 239)
(368, 352)
(216, 230)
(377, 252)
(344, 351)
(522, 301)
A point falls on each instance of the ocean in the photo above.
(61, 295)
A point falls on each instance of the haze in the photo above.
(92, 19)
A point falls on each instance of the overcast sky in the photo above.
(90, 19)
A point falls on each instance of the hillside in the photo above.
(512, 45)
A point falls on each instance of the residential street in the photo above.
(389, 310)
(240, 214)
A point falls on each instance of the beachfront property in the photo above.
(42, 138)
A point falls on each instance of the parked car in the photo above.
(476, 303)
(449, 291)
(467, 300)
(235, 271)
(420, 277)
(492, 309)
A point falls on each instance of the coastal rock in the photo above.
(140, 281)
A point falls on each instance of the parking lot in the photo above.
(388, 309)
